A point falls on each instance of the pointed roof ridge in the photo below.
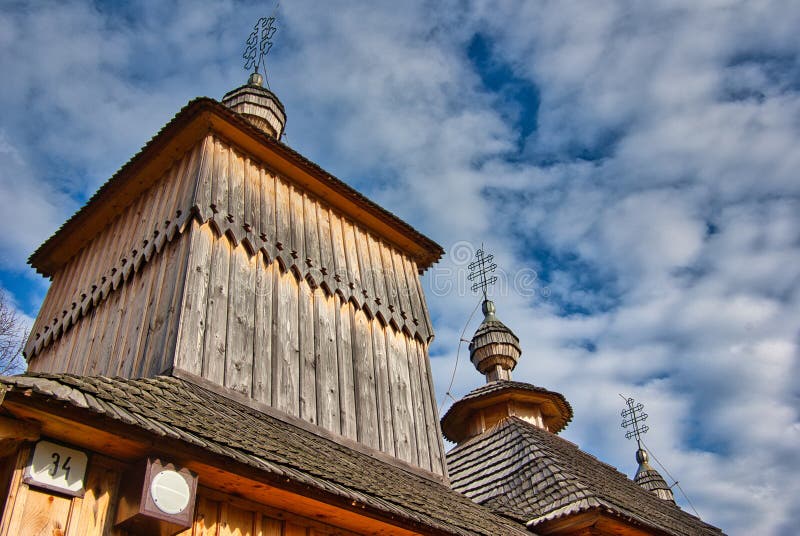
(77, 230)
(553, 478)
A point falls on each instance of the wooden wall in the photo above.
(254, 327)
(132, 332)
(235, 274)
(30, 511)
(254, 207)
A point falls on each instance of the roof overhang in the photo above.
(126, 442)
(555, 410)
(186, 129)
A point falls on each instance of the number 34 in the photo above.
(57, 465)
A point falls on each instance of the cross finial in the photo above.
(259, 43)
(480, 270)
(634, 418)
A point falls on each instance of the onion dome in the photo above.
(258, 105)
(494, 349)
(650, 479)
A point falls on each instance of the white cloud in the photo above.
(657, 195)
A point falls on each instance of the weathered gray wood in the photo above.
(435, 443)
(344, 352)
(402, 408)
(283, 218)
(262, 341)
(417, 311)
(165, 358)
(161, 345)
(241, 327)
(351, 257)
(365, 267)
(384, 404)
(267, 203)
(215, 339)
(392, 299)
(364, 376)
(83, 343)
(308, 365)
(104, 351)
(219, 187)
(327, 368)
(252, 205)
(340, 274)
(203, 190)
(310, 354)
(137, 313)
(156, 312)
(417, 404)
(286, 357)
(380, 297)
(326, 264)
(312, 247)
(402, 285)
(189, 347)
(236, 192)
(297, 237)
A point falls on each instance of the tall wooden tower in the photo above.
(220, 254)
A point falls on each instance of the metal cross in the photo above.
(479, 269)
(634, 418)
(259, 43)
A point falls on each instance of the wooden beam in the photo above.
(13, 432)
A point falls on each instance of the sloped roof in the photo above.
(171, 407)
(529, 474)
(127, 178)
(489, 390)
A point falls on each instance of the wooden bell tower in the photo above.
(221, 255)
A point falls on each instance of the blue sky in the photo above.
(632, 165)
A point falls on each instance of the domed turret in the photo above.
(650, 479)
(494, 349)
(258, 105)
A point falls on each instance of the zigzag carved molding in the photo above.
(414, 323)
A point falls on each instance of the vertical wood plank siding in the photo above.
(233, 273)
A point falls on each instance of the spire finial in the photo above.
(647, 477)
(634, 418)
(479, 269)
(259, 43)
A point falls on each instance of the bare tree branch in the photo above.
(12, 338)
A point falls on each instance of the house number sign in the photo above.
(57, 468)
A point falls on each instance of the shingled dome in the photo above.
(494, 349)
(258, 105)
(650, 479)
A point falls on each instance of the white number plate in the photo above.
(57, 468)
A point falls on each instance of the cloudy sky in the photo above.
(632, 165)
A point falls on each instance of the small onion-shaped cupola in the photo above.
(258, 105)
(494, 349)
(650, 479)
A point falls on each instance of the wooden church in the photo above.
(235, 342)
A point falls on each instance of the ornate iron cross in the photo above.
(634, 418)
(479, 269)
(259, 43)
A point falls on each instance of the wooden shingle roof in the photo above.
(534, 476)
(175, 409)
